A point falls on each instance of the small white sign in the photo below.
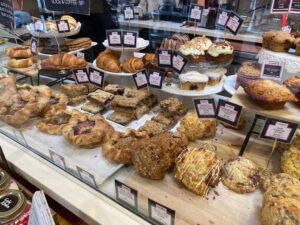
(196, 12)
(96, 77)
(63, 26)
(279, 131)
(80, 55)
(205, 108)
(39, 26)
(128, 12)
(115, 38)
(233, 23)
(223, 17)
(81, 76)
(227, 112)
(57, 159)
(155, 79)
(140, 79)
(86, 176)
(161, 215)
(272, 70)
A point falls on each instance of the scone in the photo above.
(241, 175)
(293, 84)
(193, 80)
(198, 170)
(270, 179)
(196, 128)
(247, 72)
(277, 41)
(290, 162)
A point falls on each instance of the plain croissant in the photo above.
(63, 61)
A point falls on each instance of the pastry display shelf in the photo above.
(111, 73)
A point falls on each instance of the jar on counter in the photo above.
(6, 182)
(247, 72)
(14, 208)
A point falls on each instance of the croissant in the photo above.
(109, 61)
(63, 61)
(133, 65)
(19, 63)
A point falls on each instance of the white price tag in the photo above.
(80, 55)
(140, 79)
(227, 112)
(272, 70)
(115, 38)
(57, 159)
(196, 12)
(86, 176)
(223, 17)
(96, 77)
(63, 26)
(160, 213)
(155, 79)
(129, 39)
(128, 12)
(39, 26)
(81, 76)
(34, 46)
(126, 194)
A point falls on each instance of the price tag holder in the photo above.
(20, 137)
(294, 6)
(62, 26)
(279, 130)
(57, 159)
(126, 194)
(279, 6)
(205, 108)
(130, 39)
(195, 12)
(234, 23)
(34, 46)
(86, 176)
(155, 78)
(164, 58)
(228, 112)
(96, 77)
(128, 12)
(81, 76)
(39, 26)
(178, 62)
(223, 17)
(160, 213)
(140, 79)
(114, 38)
(272, 70)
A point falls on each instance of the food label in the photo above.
(81, 76)
(62, 26)
(155, 78)
(39, 26)
(295, 6)
(130, 39)
(69, 6)
(229, 112)
(57, 159)
(223, 17)
(160, 214)
(114, 38)
(7, 14)
(164, 58)
(140, 79)
(195, 12)
(272, 70)
(178, 61)
(80, 55)
(279, 130)
(128, 12)
(126, 194)
(205, 108)
(234, 23)
(34, 46)
(96, 77)
(87, 177)
(280, 6)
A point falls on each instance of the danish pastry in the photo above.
(57, 102)
(63, 61)
(118, 148)
(19, 63)
(19, 52)
(109, 61)
(87, 130)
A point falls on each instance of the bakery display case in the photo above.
(190, 133)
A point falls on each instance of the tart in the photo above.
(277, 41)
(220, 52)
(193, 80)
(87, 130)
(57, 102)
(268, 94)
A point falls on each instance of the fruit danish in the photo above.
(57, 102)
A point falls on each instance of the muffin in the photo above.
(193, 80)
(297, 44)
(215, 75)
(247, 72)
(220, 52)
(278, 41)
(195, 49)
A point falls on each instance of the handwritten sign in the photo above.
(62, 26)
(272, 69)
(128, 12)
(96, 77)
(164, 58)
(81, 76)
(114, 38)
(130, 39)
(195, 12)
(70, 6)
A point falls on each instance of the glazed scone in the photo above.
(270, 179)
(193, 80)
(196, 128)
(278, 41)
(240, 175)
(290, 162)
(215, 75)
(198, 170)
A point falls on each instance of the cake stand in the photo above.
(111, 73)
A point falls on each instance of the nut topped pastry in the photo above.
(269, 94)
(278, 41)
(198, 170)
(220, 52)
(270, 179)
(241, 175)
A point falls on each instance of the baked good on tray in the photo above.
(172, 107)
(87, 130)
(18, 52)
(247, 72)
(293, 84)
(215, 75)
(268, 94)
(220, 52)
(114, 89)
(74, 90)
(153, 157)
(122, 118)
(92, 107)
(153, 128)
(118, 148)
(133, 65)
(174, 42)
(100, 97)
(57, 102)
(240, 175)
(196, 128)
(63, 61)
(19, 63)
(198, 170)
(109, 60)
(193, 80)
(78, 43)
(277, 41)
(269, 179)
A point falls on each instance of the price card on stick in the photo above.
(130, 39)
(126, 194)
(279, 130)
(86, 176)
(164, 58)
(57, 159)
(195, 12)
(272, 70)
(80, 55)
(280, 6)
(39, 26)
(228, 112)
(96, 77)
(178, 61)
(160, 213)
(128, 12)
(114, 38)
(140, 79)
(34, 46)
(223, 16)
(234, 23)
(81, 76)
(155, 78)
(70, 6)
(294, 6)
(205, 108)
(62, 26)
